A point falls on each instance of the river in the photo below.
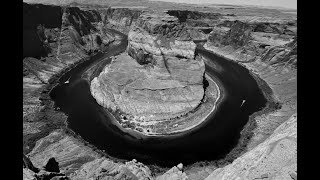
(211, 141)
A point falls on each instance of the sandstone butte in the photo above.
(157, 80)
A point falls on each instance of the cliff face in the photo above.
(161, 80)
(53, 30)
(199, 24)
(120, 18)
(269, 42)
(54, 38)
(34, 18)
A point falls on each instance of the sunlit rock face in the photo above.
(159, 78)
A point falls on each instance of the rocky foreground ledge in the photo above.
(158, 83)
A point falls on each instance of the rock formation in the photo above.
(243, 41)
(106, 169)
(49, 171)
(120, 18)
(163, 78)
(175, 173)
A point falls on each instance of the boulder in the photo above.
(174, 173)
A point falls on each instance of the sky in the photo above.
(292, 4)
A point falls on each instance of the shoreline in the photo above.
(246, 133)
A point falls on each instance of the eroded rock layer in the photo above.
(162, 79)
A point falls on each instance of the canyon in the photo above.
(160, 66)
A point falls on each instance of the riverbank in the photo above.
(279, 85)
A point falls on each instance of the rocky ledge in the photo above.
(160, 79)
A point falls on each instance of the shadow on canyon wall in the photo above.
(35, 19)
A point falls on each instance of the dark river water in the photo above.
(211, 141)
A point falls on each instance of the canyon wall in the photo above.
(120, 19)
(269, 42)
